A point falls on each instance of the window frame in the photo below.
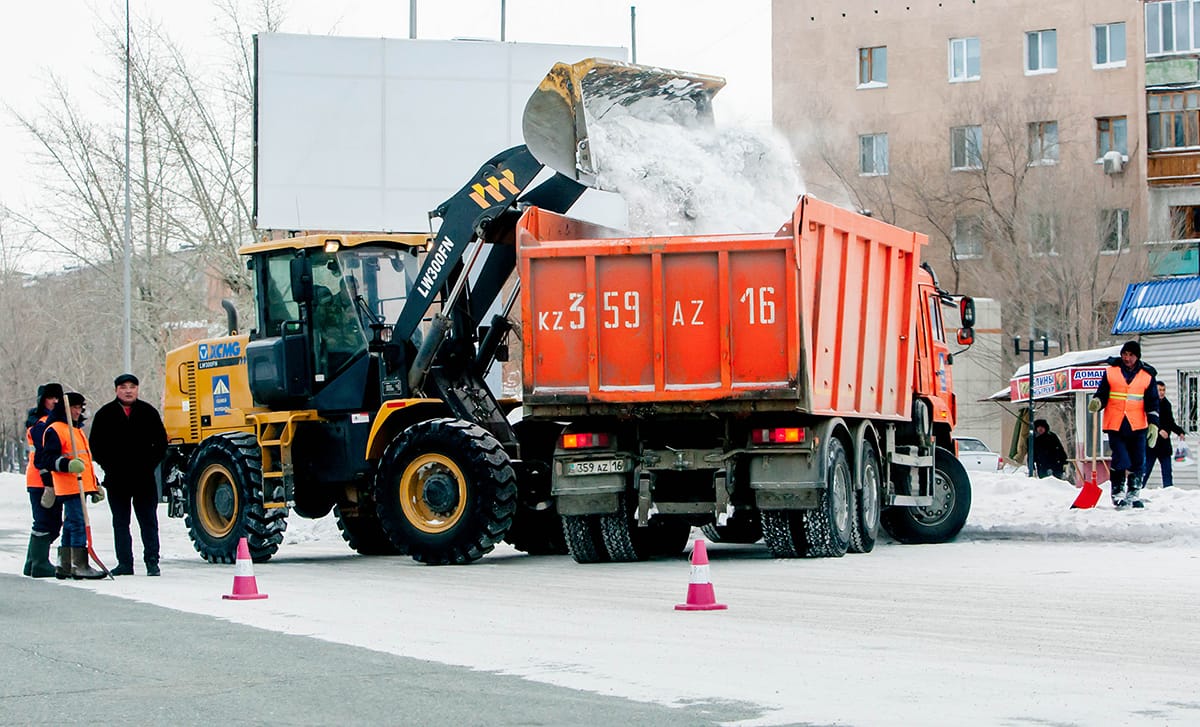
(867, 59)
(1099, 65)
(1037, 129)
(1042, 68)
(1102, 134)
(1185, 115)
(960, 225)
(1121, 232)
(1155, 28)
(1040, 222)
(875, 158)
(966, 151)
(952, 56)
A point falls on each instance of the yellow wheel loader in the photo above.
(361, 389)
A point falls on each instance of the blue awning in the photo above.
(1160, 306)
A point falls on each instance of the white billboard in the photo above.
(369, 134)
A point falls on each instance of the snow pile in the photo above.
(680, 177)
(1016, 507)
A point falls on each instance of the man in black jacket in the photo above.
(1163, 451)
(1049, 457)
(128, 441)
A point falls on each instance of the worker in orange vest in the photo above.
(47, 521)
(1128, 395)
(67, 460)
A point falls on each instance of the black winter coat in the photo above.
(1166, 427)
(128, 447)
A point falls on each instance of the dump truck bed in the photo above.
(818, 317)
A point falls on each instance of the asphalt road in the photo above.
(70, 656)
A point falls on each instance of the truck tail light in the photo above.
(779, 435)
(584, 441)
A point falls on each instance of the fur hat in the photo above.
(74, 398)
(1041, 423)
(47, 390)
(1132, 347)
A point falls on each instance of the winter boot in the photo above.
(63, 569)
(1118, 494)
(37, 558)
(80, 570)
(122, 569)
(1134, 498)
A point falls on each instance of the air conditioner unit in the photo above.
(1114, 162)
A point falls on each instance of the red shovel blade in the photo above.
(1088, 496)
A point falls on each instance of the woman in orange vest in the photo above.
(67, 459)
(1129, 397)
(47, 521)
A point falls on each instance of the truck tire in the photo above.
(584, 541)
(627, 542)
(363, 531)
(743, 526)
(827, 527)
(942, 520)
(537, 531)
(865, 530)
(224, 501)
(537, 528)
(784, 533)
(445, 492)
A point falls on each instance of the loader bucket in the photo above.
(572, 96)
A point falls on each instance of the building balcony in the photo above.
(1173, 168)
(1170, 258)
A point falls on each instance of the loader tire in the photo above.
(941, 521)
(225, 501)
(583, 538)
(537, 530)
(445, 492)
(362, 530)
(827, 528)
(865, 525)
(743, 526)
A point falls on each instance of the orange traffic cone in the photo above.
(700, 595)
(245, 588)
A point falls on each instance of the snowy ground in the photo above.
(1036, 614)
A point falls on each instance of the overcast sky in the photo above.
(706, 36)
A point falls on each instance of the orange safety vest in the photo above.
(1125, 400)
(33, 478)
(66, 483)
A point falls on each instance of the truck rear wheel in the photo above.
(743, 526)
(626, 541)
(942, 520)
(584, 541)
(537, 528)
(784, 533)
(224, 501)
(865, 526)
(827, 528)
(445, 492)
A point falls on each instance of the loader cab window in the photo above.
(278, 305)
(338, 330)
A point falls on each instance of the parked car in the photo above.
(975, 455)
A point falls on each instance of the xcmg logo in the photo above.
(227, 349)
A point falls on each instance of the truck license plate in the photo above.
(596, 467)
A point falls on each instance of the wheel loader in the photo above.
(361, 389)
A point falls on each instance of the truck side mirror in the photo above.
(966, 310)
(966, 336)
(302, 279)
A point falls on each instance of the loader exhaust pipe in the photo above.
(572, 96)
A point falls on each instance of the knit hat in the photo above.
(1132, 347)
(1041, 423)
(125, 379)
(74, 398)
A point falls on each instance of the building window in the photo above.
(964, 59)
(1111, 135)
(1171, 26)
(872, 67)
(1114, 230)
(966, 143)
(1041, 51)
(968, 238)
(1172, 119)
(1043, 142)
(1110, 46)
(1185, 223)
(1188, 383)
(1043, 234)
(873, 154)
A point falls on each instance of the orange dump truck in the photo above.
(793, 386)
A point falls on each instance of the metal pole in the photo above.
(412, 18)
(127, 333)
(633, 33)
(1031, 432)
(502, 15)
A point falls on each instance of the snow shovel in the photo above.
(87, 523)
(1090, 493)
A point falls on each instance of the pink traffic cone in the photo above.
(700, 595)
(245, 588)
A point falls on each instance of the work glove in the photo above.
(73, 465)
(98, 495)
(48, 497)
(1094, 405)
(1151, 436)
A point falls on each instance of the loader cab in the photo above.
(325, 313)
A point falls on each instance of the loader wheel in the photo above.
(743, 526)
(224, 501)
(626, 541)
(827, 527)
(585, 543)
(445, 492)
(941, 521)
(865, 525)
(360, 527)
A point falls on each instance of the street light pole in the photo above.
(127, 328)
(1031, 347)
